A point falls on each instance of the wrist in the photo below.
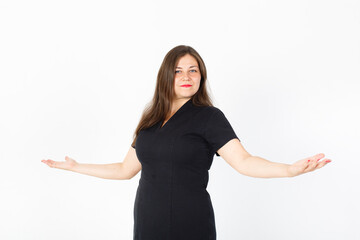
(289, 172)
(74, 167)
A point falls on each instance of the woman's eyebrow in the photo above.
(189, 67)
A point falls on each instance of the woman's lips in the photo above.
(186, 85)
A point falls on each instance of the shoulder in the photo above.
(203, 109)
(208, 111)
(206, 114)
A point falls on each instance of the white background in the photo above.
(75, 77)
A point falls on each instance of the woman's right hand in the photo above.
(67, 165)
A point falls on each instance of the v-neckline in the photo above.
(162, 125)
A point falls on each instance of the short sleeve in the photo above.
(218, 131)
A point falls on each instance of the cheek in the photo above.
(176, 82)
(198, 80)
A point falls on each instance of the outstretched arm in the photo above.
(234, 154)
(119, 171)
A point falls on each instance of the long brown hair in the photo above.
(160, 106)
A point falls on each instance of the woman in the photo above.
(175, 143)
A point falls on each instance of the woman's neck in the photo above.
(177, 103)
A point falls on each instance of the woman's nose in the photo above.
(186, 77)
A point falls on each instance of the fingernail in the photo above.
(327, 161)
(309, 160)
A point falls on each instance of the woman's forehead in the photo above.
(187, 61)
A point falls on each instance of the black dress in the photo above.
(172, 202)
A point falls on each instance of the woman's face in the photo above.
(187, 77)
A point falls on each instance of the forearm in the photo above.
(254, 166)
(107, 171)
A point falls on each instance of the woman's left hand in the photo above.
(308, 164)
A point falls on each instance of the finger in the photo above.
(313, 162)
(305, 166)
(311, 165)
(50, 163)
(308, 166)
(317, 157)
(45, 161)
(323, 163)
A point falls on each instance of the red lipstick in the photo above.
(186, 85)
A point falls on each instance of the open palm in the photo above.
(68, 164)
(308, 164)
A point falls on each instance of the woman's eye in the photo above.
(193, 70)
(177, 71)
